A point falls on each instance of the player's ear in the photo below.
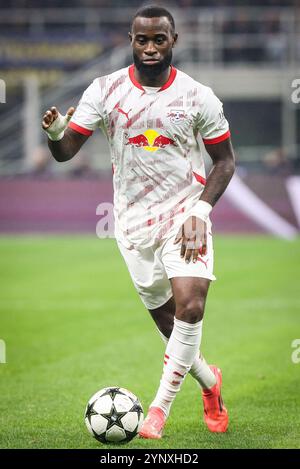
(175, 37)
(130, 36)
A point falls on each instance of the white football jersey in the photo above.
(152, 133)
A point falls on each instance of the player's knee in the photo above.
(192, 311)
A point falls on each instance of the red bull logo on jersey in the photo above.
(150, 140)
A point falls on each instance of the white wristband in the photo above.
(55, 137)
(57, 129)
(201, 210)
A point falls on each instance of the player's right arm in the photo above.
(63, 142)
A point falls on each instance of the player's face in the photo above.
(152, 41)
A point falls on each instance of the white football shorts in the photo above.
(151, 268)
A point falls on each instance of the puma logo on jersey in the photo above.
(124, 113)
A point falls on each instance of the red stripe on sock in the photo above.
(178, 374)
(167, 356)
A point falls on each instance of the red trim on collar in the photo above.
(168, 83)
(133, 79)
(171, 78)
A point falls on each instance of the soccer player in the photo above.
(153, 115)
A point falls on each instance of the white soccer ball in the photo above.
(114, 415)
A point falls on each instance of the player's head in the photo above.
(152, 38)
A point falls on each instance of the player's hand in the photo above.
(55, 124)
(193, 237)
(52, 114)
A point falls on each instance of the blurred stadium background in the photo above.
(247, 51)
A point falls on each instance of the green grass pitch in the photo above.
(73, 323)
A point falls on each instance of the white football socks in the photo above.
(180, 354)
(202, 373)
(200, 370)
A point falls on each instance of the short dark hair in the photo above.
(154, 11)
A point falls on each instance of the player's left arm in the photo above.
(193, 233)
(223, 159)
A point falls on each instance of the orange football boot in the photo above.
(215, 413)
(154, 423)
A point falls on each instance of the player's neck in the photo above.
(158, 81)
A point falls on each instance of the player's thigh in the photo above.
(148, 275)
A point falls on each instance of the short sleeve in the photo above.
(211, 122)
(88, 114)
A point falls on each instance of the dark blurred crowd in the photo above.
(137, 3)
(245, 35)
